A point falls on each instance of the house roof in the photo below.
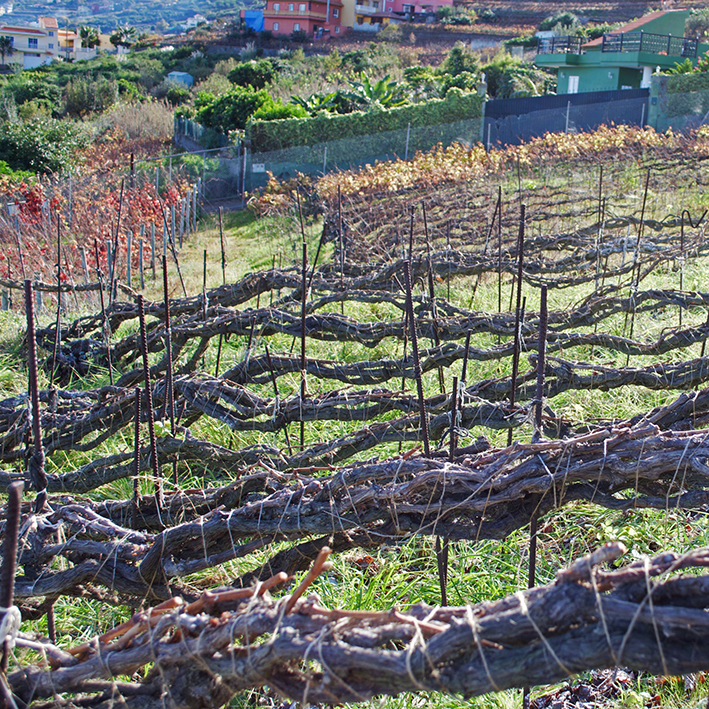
(49, 22)
(632, 26)
(21, 30)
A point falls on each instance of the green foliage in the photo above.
(7, 48)
(299, 36)
(232, 110)
(687, 83)
(83, 96)
(31, 86)
(385, 93)
(422, 82)
(266, 136)
(89, 37)
(254, 73)
(563, 20)
(177, 95)
(124, 36)
(358, 60)
(528, 41)
(276, 111)
(461, 58)
(450, 15)
(7, 171)
(128, 90)
(41, 144)
(685, 67)
(508, 77)
(391, 33)
(697, 24)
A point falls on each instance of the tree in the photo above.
(89, 37)
(7, 48)
(124, 36)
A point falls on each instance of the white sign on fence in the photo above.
(258, 167)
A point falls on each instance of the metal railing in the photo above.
(650, 43)
(559, 45)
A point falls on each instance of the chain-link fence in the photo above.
(679, 102)
(357, 151)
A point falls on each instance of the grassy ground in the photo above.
(406, 574)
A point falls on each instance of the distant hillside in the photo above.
(521, 13)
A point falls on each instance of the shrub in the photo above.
(42, 144)
(151, 119)
(391, 33)
(83, 96)
(697, 24)
(231, 110)
(563, 20)
(253, 73)
(299, 36)
(460, 59)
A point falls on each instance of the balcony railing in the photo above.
(366, 9)
(650, 43)
(559, 45)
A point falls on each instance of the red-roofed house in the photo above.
(624, 59)
(33, 45)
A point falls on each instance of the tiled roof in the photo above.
(21, 30)
(49, 22)
(632, 26)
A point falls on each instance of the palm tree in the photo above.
(89, 36)
(7, 48)
(124, 36)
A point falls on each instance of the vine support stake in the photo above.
(136, 460)
(36, 471)
(7, 578)
(170, 376)
(541, 365)
(157, 477)
(415, 355)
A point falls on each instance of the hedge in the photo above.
(686, 83)
(275, 135)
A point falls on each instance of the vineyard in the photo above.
(435, 426)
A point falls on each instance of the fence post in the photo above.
(157, 179)
(408, 135)
(642, 116)
(152, 247)
(172, 223)
(568, 111)
(489, 126)
(84, 265)
(129, 244)
(140, 264)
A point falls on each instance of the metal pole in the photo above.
(408, 135)
(568, 111)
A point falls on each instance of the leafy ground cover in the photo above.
(622, 265)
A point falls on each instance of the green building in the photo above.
(625, 59)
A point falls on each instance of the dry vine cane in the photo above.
(646, 616)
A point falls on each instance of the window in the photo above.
(335, 12)
(51, 45)
(32, 43)
(337, 29)
(51, 33)
(290, 7)
(275, 27)
(301, 7)
(276, 7)
(296, 27)
(573, 85)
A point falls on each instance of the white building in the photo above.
(33, 45)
